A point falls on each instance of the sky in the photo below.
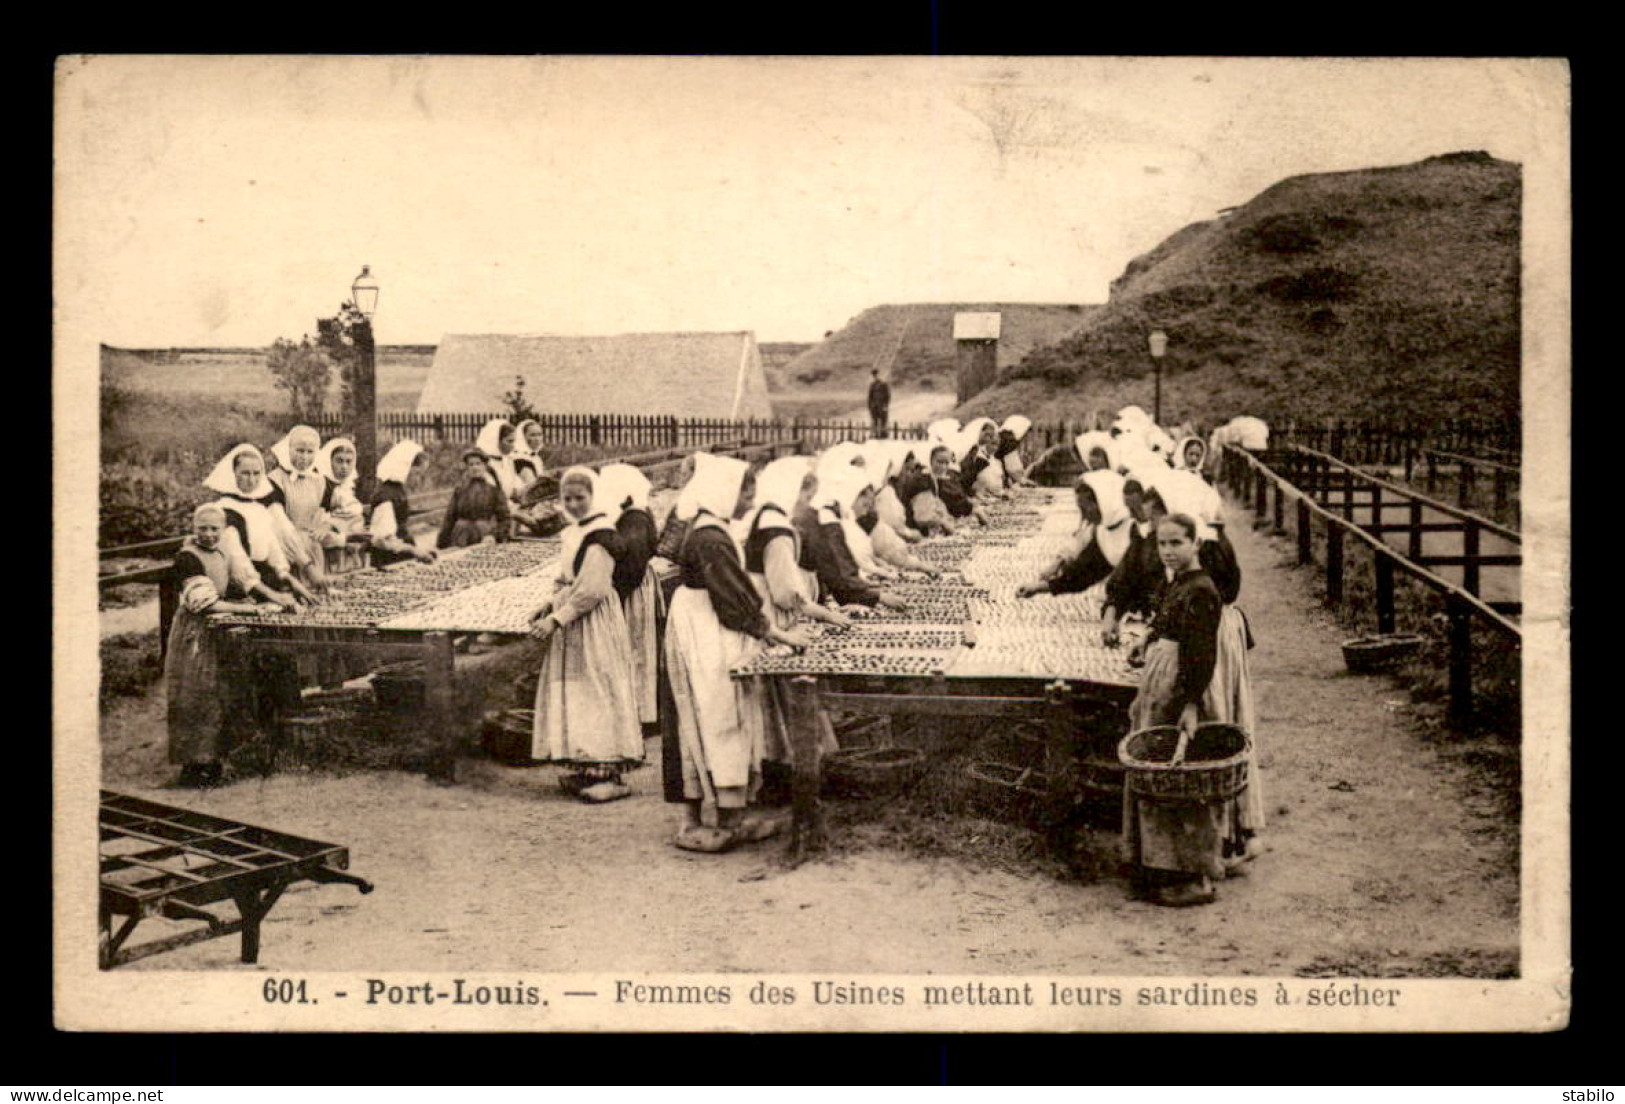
(231, 201)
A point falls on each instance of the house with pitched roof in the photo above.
(685, 375)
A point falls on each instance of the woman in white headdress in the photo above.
(1097, 450)
(390, 511)
(259, 527)
(624, 492)
(1008, 454)
(717, 623)
(527, 451)
(901, 463)
(773, 559)
(196, 701)
(975, 448)
(1103, 538)
(497, 440)
(838, 493)
(869, 535)
(254, 548)
(586, 704)
(1229, 695)
(336, 463)
(307, 497)
(675, 527)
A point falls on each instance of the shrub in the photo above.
(303, 371)
(129, 665)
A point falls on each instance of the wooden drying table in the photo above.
(241, 639)
(162, 861)
(1054, 705)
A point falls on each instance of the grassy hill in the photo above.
(922, 337)
(1388, 292)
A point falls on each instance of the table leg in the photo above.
(440, 696)
(253, 906)
(807, 834)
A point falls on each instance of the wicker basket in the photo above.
(1214, 770)
(507, 736)
(1366, 654)
(353, 698)
(400, 687)
(872, 771)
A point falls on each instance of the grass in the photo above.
(1354, 295)
(244, 381)
(1418, 608)
(130, 665)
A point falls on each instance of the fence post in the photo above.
(1334, 564)
(1385, 591)
(1469, 552)
(597, 429)
(1260, 489)
(1415, 549)
(1410, 452)
(1306, 539)
(1348, 496)
(1461, 662)
(1433, 464)
(1280, 507)
(1464, 489)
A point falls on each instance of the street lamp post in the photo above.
(364, 294)
(1159, 345)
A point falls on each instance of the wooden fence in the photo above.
(1310, 478)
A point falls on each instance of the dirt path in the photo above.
(1388, 854)
(908, 407)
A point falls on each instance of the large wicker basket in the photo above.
(399, 687)
(507, 735)
(873, 771)
(1214, 770)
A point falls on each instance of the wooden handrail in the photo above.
(1476, 461)
(1479, 520)
(1380, 547)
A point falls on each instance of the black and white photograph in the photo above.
(811, 543)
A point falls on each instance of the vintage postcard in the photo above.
(811, 544)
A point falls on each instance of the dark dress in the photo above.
(824, 548)
(478, 509)
(196, 699)
(395, 494)
(715, 624)
(1082, 571)
(970, 469)
(1136, 581)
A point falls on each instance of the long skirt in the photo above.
(1229, 698)
(585, 708)
(192, 683)
(466, 532)
(1178, 839)
(719, 720)
(770, 691)
(643, 609)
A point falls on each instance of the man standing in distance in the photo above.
(879, 402)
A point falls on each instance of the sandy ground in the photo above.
(908, 407)
(1389, 853)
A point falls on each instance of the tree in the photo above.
(337, 338)
(519, 408)
(302, 370)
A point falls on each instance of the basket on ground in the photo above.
(1365, 654)
(873, 771)
(399, 687)
(507, 736)
(1214, 769)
